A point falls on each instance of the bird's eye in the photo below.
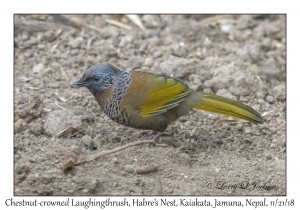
(96, 79)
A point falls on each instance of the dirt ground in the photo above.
(242, 57)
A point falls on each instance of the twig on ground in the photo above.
(119, 24)
(89, 158)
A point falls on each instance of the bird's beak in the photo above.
(78, 83)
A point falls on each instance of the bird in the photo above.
(149, 101)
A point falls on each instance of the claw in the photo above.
(156, 138)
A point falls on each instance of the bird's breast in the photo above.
(110, 99)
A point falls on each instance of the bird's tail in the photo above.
(218, 104)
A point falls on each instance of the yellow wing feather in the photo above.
(167, 94)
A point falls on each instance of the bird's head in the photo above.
(98, 77)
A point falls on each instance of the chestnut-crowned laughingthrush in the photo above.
(152, 101)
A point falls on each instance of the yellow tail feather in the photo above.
(218, 104)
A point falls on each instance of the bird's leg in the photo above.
(156, 137)
(165, 133)
(151, 132)
(142, 132)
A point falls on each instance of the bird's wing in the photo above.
(166, 94)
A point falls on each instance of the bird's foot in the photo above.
(151, 133)
(142, 132)
(156, 134)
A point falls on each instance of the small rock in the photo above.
(129, 168)
(280, 164)
(248, 131)
(268, 156)
(74, 52)
(250, 52)
(85, 190)
(143, 46)
(41, 46)
(207, 42)
(243, 99)
(22, 168)
(244, 22)
(269, 67)
(36, 128)
(239, 127)
(218, 141)
(45, 190)
(151, 21)
(99, 139)
(125, 40)
(110, 31)
(75, 43)
(174, 66)
(58, 120)
(32, 159)
(196, 82)
(248, 141)
(260, 101)
(89, 143)
(266, 43)
(37, 68)
(226, 28)
(114, 160)
(279, 92)
(24, 37)
(50, 36)
(269, 179)
(30, 110)
(55, 66)
(225, 93)
(178, 50)
(148, 61)
(259, 94)
(33, 41)
(273, 145)
(68, 163)
(273, 27)
(157, 54)
(116, 139)
(45, 178)
(270, 99)
(20, 126)
(76, 149)
(282, 141)
(185, 157)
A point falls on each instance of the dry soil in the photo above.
(242, 57)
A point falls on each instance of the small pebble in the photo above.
(114, 160)
(37, 68)
(85, 190)
(239, 127)
(218, 142)
(270, 99)
(148, 61)
(129, 168)
(76, 149)
(269, 157)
